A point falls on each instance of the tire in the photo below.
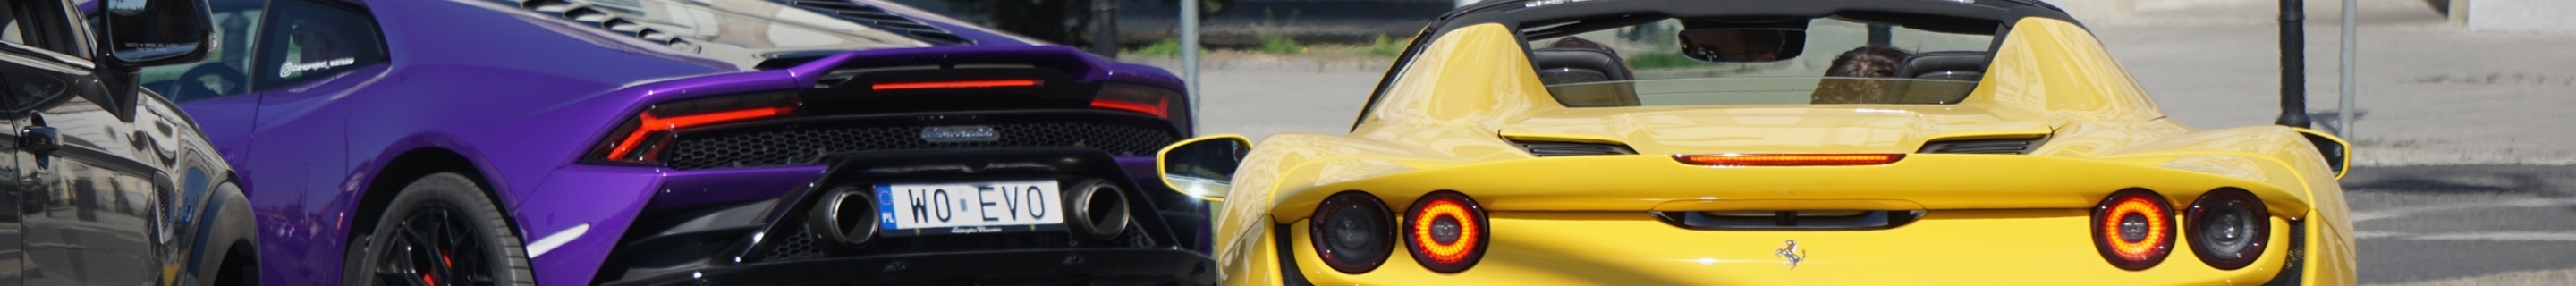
(447, 208)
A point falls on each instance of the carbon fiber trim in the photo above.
(1288, 273)
(2294, 269)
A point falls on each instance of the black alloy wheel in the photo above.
(441, 230)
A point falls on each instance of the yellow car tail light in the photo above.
(1353, 232)
(1446, 231)
(2134, 229)
(2228, 228)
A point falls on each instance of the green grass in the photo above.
(1384, 48)
(1277, 44)
(1662, 60)
(1166, 48)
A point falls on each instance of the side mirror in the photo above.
(1204, 166)
(2338, 153)
(142, 33)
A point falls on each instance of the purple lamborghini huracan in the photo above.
(762, 142)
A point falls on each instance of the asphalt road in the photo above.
(2427, 223)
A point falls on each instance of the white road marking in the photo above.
(2375, 234)
(551, 241)
(2505, 236)
(2363, 216)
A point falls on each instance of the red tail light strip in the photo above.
(1160, 108)
(651, 124)
(1788, 159)
(955, 84)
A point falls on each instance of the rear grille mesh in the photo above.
(794, 146)
(586, 15)
(876, 17)
(1982, 146)
(1551, 149)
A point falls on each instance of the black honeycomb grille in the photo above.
(778, 147)
(797, 244)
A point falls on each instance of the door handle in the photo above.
(41, 141)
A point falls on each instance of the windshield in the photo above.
(1714, 62)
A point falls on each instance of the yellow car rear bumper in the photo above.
(1955, 247)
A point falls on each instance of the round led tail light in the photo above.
(1446, 231)
(2228, 228)
(1353, 232)
(2134, 229)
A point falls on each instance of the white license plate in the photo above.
(911, 209)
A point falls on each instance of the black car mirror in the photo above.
(1202, 167)
(142, 33)
(1742, 45)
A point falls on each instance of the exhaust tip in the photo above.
(846, 215)
(1099, 209)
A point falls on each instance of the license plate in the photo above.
(911, 209)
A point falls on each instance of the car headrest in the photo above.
(1578, 65)
(1945, 65)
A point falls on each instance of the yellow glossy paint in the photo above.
(1990, 219)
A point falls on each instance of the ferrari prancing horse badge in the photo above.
(1790, 251)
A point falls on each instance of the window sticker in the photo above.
(290, 69)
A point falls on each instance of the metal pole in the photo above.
(2294, 65)
(1104, 28)
(1190, 57)
(1881, 35)
(2351, 49)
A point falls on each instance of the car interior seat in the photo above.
(1565, 66)
(1944, 65)
(1932, 67)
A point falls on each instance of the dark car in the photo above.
(665, 141)
(108, 185)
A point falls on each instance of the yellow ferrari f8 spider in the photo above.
(1772, 142)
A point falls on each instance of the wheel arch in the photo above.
(228, 238)
(389, 179)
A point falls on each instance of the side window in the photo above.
(305, 41)
(9, 30)
(43, 24)
(226, 70)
